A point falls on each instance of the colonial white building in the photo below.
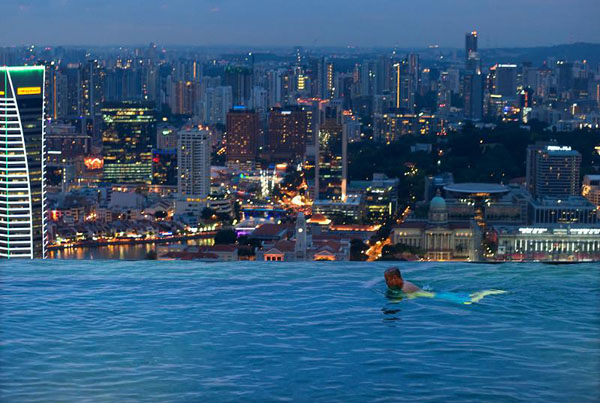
(438, 238)
(548, 243)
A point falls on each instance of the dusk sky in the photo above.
(405, 23)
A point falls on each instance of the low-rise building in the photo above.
(305, 247)
(547, 243)
(591, 189)
(437, 237)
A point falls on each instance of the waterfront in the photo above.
(191, 331)
(119, 251)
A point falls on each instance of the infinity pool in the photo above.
(181, 331)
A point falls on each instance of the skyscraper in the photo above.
(472, 62)
(473, 92)
(242, 137)
(129, 129)
(470, 44)
(193, 161)
(553, 170)
(217, 102)
(505, 80)
(239, 78)
(22, 194)
(331, 167)
(288, 132)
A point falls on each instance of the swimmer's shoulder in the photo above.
(409, 287)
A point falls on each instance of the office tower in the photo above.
(128, 133)
(217, 102)
(564, 74)
(193, 160)
(470, 43)
(332, 162)
(288, 129)
(239, 78)
(381, 198)
(505, 80)
(242, 137)
(473, 94)
(22, 170)
(553, 170)
(472, 62)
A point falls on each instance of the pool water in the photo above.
(115, 331)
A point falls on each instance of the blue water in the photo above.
(185, 331)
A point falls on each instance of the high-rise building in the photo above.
(128, 133)
(183, 97)
(332, 162)
(288, 129)
(239, 78)
(470, 43)
(217, 102)
(22, 170)
(92, 83)
(404, 91)
(472, 62)
(242, 137)
(473, 93)
(553, 170)
(505, 80)
(193, 161)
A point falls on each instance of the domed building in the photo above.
(438, 238)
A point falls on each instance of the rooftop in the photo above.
(474, 188)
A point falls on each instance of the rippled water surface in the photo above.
(182, 331)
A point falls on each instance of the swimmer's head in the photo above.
(393, 278)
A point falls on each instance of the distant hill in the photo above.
(575, 51)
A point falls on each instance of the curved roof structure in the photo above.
(437, 203)
(476, 188)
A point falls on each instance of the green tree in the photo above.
(357, 250)
(225, 237)
(207, 213)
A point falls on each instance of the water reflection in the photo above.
(121, 252)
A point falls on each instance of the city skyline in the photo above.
(339, 23)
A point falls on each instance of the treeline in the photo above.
(473, 155)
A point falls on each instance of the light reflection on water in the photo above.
(119, 252)
(184, 331)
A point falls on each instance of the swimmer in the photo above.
(395, 282)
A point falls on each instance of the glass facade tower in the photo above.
(22, 179)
